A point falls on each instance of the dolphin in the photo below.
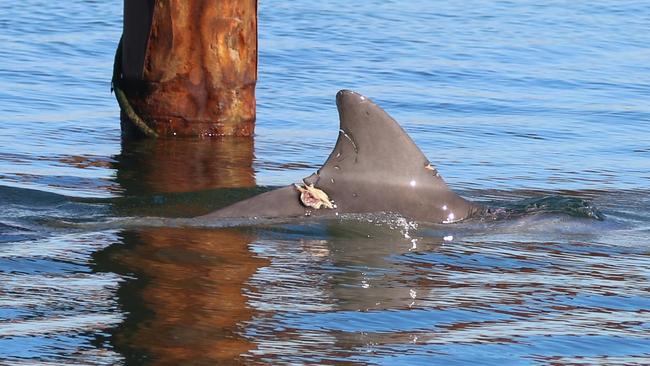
(374, 167)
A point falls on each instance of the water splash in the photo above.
(572, 206)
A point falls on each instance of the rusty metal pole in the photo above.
(188, 67)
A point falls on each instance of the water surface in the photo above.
(513, 101)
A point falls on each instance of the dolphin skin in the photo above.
(375, 167)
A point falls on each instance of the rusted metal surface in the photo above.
(197, 76)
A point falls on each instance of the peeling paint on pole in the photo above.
(190, 66)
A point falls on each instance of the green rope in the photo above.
(122, 100)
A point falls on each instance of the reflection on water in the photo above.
(184, 296)
(184, 301)
(164, 166)
(545, 288)
(513, 101)
(159, 169)
(380, 301)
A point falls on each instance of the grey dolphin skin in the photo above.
(375, 167)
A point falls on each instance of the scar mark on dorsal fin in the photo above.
(354, 144)
(351, 139)
(428, 166)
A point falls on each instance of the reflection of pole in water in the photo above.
(189, 165)
(185, 303)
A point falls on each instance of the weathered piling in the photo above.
(188, 67)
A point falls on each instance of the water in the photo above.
(101, 263)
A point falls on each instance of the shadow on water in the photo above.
(183, 295)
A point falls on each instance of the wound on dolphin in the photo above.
(374, 167)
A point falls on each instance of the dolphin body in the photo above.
(374, 167)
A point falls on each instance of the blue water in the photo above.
(512, 101)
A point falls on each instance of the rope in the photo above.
(122, 100)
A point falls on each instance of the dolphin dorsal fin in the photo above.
(376, 167)
(372, 143)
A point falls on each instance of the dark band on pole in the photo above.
(123, 100)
